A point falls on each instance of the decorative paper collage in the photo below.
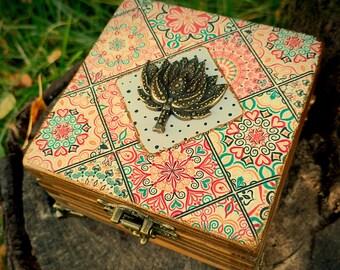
(222, 181)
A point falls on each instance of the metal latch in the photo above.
(138, 223)
(63, 211)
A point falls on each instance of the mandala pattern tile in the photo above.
(174, 181)
(224, 218)
(178, 28)
(79, 81)
(285, 54)
(72, 132)
(255, 147)
(238, 65)
(125, 43)
(113, 109)
(101, 174)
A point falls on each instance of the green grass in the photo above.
(31, 32)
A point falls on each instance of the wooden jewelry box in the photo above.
(206, 187)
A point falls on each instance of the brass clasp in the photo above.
(63, 211)
(138, 223)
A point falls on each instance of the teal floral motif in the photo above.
(289, 46)
(64, 131)
(99, 176)
(117, 44)
(127, 43)
(239, 182)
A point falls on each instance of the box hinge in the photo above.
(140, 224)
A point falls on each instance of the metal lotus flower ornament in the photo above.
(181, 88)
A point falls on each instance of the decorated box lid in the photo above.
(222, 175)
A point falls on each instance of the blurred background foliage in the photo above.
(47, 37)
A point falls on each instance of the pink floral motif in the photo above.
(186, 21)
(177, 28)
(157, 203)
(289, 46)
(172, 171)
(125, 6)
(293, 42)
(284, 54)
(238, 65)
(62, 131)
(257, 136)
(175, 180)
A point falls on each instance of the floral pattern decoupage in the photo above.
(101, 174)
(223, 181)
(125, 43)
(178, 28)
(255, 147)
(72, 132)
(174, 181)
(285, 54)
(238, 64)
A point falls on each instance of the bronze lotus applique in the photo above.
(181, 88)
